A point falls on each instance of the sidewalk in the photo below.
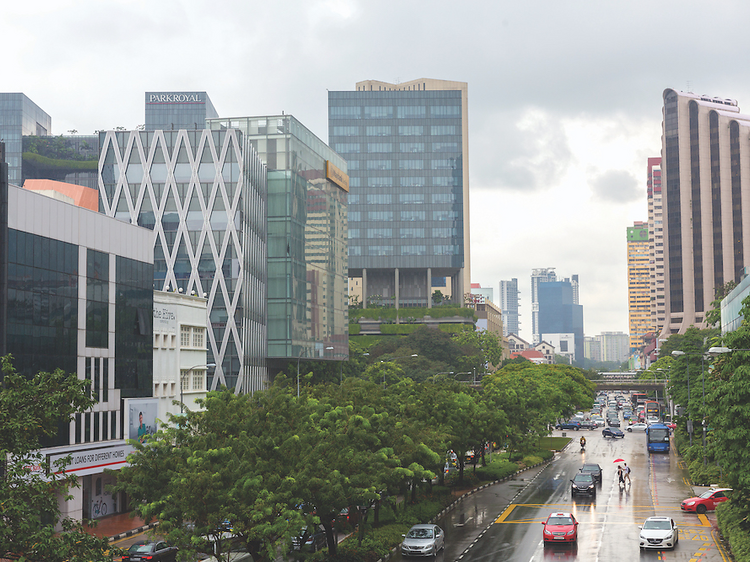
(119, 526)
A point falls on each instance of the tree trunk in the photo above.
(330, 538)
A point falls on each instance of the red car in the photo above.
(708, 500)
(560, 527)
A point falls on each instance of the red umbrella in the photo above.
(618, 460)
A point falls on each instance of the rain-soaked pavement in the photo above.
(502, 522)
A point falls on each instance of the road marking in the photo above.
(505, 513)
(704, 520)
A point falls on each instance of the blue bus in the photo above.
(657, 438)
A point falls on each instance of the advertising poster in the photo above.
(142, 417)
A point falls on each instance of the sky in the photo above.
(565, 98)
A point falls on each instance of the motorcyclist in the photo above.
(582, 440)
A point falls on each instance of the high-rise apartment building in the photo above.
(656, 245)
(538, 276)
(639, 286)
(614, 346)
(308, 313)
(20, 117)
(705, 144)
(509, 302)
(406, 147)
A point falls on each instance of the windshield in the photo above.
(583, 478)
(590, 468)
(139, 548)
(706, 495)
(658, 435)
(560, 520)
(657, 525)
(419, 534)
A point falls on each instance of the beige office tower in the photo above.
(407, 150)
(705, 150)
(656, 246)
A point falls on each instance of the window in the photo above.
(198, 377)
(412, 181)
(346, 147)
(444, 130)
(379, 164)
(411, 198)
(185, 380)
(184, 336)
(411, 233)
(410, 130)
(411, 111)
(445, 111)
(413, 250)
(448, 250)
(379, 182)
(375, 147)
(445, 215)
(411, 164)
(378, 112)
(346, 112)
(444, 232)
(443, 198)
(380, 250)
(380, 216)
(379, 233)
(444, 147)
(378, 131)
(411, 147)
(353, 233)
(199, 337)
(379, 198)
(345, 131)
(445, 181)
(412, 215)
(444, 164)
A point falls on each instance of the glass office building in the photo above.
(307, 239)
(171, 111)
(203, 195)
(405, 149)
(19, 117)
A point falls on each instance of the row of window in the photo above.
(414, 250)
(402, 112)
(402, 130)
(192, 336)
(388, 216)
(415, 233)
(387, 147)
(407, 181)
(403, 198)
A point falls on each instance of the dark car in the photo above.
(594, 469)
(613, 422)
(588, 424)
(154, 551)
(583, 484)
(570, 424)
(310, 541)
(612, 432)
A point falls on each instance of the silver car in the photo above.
(423, 540)
(659, 532)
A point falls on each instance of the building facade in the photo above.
(202, 194)
(639, 285)
(170, 111)
(406, 148)
(615, 346)
(559, 313)
(538, 276)
(656, 245)
(308, 313)
(705, 143)
(509, 303)
(77, 296)
(20, 117)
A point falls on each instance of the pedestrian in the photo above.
(620, 476)
(626, 470)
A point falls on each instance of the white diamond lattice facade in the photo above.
(203, 193)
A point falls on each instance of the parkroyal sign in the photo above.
(175, 98)
(94, 461)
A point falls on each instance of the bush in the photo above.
(704, 476)
(730, 519)
(531, 460)
(497, 470)
(354, 329)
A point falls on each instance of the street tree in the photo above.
(31, 410)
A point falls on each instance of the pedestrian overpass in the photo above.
(628, 380)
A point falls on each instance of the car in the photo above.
(599, 421)
(640, 426)
(588, 424)
(423, 540)
(671, 425)
(594, 469)
(311, 541)
(560, 527)
(153, 551)
(627, 414)
(613, 422)
(612, 432)
(651, 419)
(583, 483)
(658, 532)
(708, 500)
(570, 424)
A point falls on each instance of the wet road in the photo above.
(502, 522)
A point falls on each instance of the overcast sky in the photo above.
(564, 97)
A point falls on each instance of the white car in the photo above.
(651, 420)
(598, 420)
(640, 426)
(658, 532)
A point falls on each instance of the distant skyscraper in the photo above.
(20, 117)
(509, 302)
(639, 287)
(656, 245)
(614, 346)
(705, 149)
(538, 276)
(559, 314)
(406, 146)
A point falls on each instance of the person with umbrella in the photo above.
(620, 473)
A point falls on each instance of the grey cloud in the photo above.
(616, 186)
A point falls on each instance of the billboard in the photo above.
(142, 414)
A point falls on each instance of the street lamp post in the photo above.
(206, 365)
(303, 350)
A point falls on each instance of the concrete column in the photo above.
(364, 288)
(429, 287)
(397, 293)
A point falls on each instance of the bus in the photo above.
(653, 410)
(657, 438)
(636, 397)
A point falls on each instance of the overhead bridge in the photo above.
(628, 381)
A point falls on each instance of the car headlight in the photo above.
(689, 503)
(570, 532)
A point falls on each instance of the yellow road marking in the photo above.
(704, 520)
(505, 513)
